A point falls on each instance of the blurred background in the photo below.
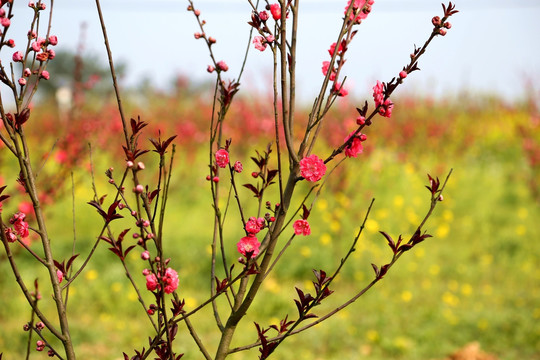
(472, 108)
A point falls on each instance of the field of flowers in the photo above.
(477, 279)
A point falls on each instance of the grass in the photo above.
(476, 280)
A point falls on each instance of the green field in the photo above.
(477, 279)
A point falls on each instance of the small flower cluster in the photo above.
(360, 11)
(354, 146)
(385, 105)
(20, 226)
(169, 280)
(258, 21)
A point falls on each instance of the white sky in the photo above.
(493, 46)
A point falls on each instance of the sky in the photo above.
(493, 46)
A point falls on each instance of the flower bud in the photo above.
(210, 69)
(138, 189)
(403, 74)
(447, 25)
(442, 32)
(436, 21)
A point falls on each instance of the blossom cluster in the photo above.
(169, 280)
(19, 225)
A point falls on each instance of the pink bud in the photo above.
(222, 65)
(40, 325)
(447, 25)
(18, 56)
(10, 43)
(150, 236)
(26, 327)
(140, 165)
(32, 34)
(133, 213)
(211, 40)
(403, 74)
(197, 12)
(215, 179)
(210, 69)
(53, 40)
(31, 4)
(27, 72)
(42, 6)
(146, 272)
(138, 189)
(5, 22)
(363, 137)
(145, 255)
(146, 223)
(360, 120)
(59, 275)
(52, 54)
(263, 15)
(208, 178)
(436, 21)
(270, 39)
(197, 35)
(22, 81)
(36, 46)
(45, 75)
(442, 32)
(129, 164)
(135, 235)
(441, 198)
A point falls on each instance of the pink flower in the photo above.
(170, 280)
(222, 65)
(53, 40)
(36, 46)
(275, 9)
(325, 67)
(378, 93)
(358, 8)
(45, 75)
(10, 43)
(254, 225)
(60, 276)
(259, 43)
(27, 72)
(222, 158)
(333, 48)
(10, 235)
(22, 81)
(301, 227)
(340, 90)
(312, 168)
(263, 15)
(210, 69)
(18, 56)
(5, 22)
(270, 39)
(386, 108)
(20, 226)
(145, 255)
(52, 54)
(152, 282)
(248, 245)
(238, 167)
(355, 147)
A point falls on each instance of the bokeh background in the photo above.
(473, 108)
